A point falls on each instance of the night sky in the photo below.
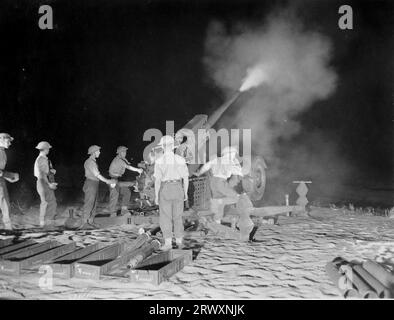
(112, 69)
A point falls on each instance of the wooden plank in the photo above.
(29, 251)
(274, 210)
(150, 219)
(165, 273)
(187, 254)
(127, 219)
(104, 222)
(90, 267)
(259, 212)
(47, 256)
(63, 267)
(10, 267)
(6, 242)
(16, 247)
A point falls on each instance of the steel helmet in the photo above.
(120, 149)
(43, 145)
(6, 136)
(229, 150)
(92, 149)
(166, 141)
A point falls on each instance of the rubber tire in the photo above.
(254, 183)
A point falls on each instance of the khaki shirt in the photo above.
(41, 167)
(3, 161)
(225, 167)
(170, 166)
(117, 167)
(91, 169)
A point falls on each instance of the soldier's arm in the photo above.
(131, 168)
(185, 177)
(207, 166)
(2, 165)
(186, 185)
(103, 179)
(98, 175)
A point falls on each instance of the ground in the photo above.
(286, 261)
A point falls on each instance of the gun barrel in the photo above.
(218, 113)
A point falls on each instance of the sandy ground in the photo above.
(287, 261)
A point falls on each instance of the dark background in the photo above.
(109, 70)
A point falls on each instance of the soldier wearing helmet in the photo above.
(171, 186)
(91, 186)
(222, 168)
(45, 187)
(185, 148)
(5, 142)
(116, 170)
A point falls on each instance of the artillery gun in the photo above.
(196, 133)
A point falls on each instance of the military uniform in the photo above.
(90, 188)
(222, 193)
(48, 204)
(116, 171)
(184, 151)
(170, 169)
(4, 196)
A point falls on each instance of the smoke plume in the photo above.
(285, 70)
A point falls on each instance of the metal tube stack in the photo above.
(368, 280)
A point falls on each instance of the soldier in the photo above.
(5, 142)
(184, 148)
(45, 187)
(222, 169)
(169, 172)
(116, 170)
(91, 186)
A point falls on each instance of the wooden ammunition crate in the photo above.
(95, 264)
(32, 256)
(6, 242)
(161, 267)
(137, 220)
(15, 246)
(105, 221)
(63, 267)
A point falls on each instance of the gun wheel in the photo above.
(254, 183)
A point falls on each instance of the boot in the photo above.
(84, 224)
(167, 245)
(179, 243)
(92, 224)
